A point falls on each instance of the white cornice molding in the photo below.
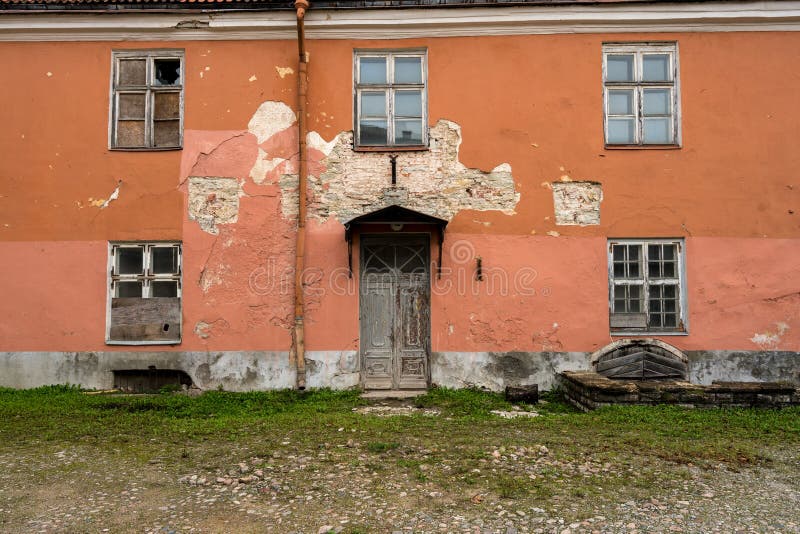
(403, 23)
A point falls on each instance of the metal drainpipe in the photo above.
(302, 85)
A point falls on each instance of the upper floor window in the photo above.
(641, 94)
(147, 99)
(391, 99)
(647, 286)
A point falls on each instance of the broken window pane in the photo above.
(408, 70)
(164, 260)
(132, 72)
(408, 132)
(166, 105)
(131, 106)
(372, 70)
(373, 104)
(167, 133)
(130, 133)
(167, 71)
(619, 68)
(372, 132)
(127, 289)
(130, 260)
(163, 289)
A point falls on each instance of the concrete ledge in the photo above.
(588, 390)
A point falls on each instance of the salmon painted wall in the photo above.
(534, 102)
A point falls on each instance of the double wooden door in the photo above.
(395, 311)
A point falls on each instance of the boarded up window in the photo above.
(145, 289)
(147, 99)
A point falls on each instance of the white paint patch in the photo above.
(284, 71)
(103, 203)
(315, 141)
(252, 78)
(577, 203)
(770, 340)
(270, 118)
(262, 166)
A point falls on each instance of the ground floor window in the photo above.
(646, 285)
(144, 293)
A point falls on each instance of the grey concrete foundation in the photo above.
(263, 370)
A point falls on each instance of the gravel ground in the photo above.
(349, 488)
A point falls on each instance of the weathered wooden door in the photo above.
(395, 311)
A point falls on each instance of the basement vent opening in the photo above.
(150, 380)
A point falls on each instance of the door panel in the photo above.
(394, 311)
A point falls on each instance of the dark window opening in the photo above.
(150, 380)
(168, 71)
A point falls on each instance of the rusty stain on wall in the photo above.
(212, 201)
(577, 203)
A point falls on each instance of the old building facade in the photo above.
(493, 193)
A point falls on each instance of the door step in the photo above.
(381, 394)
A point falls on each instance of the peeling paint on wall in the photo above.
(577, 203)
(103, 203)
(270, 118)
(212, 201)
(770, 340)
(346, 183)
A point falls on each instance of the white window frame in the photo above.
(146, 276)
(638, 50)
(390, 87)
(149, 90)
(645, 282)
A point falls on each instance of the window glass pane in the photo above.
(619, 68)
(654, 251)
(655, 320)
(668, 252)
(129, 289)
(620, 131)
(166, 105)
(132, 72)
(619, 270)
(408, 132)
(167, 133)
(408, 70)
(620, 102)
(164, 288)
(633, 251)
(670, 320)
(130, 260)
(164, 260)
(131, 106)
(655, 67)
(373, 104)
(654, 269)
(372, 132)
(167, 71)
(669, 269)
(619, 252)
(657, 131)
(633, 270)
(130, 133)
(656, 102)
(408, 104)
(372, 70)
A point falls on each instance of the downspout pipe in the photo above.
(302, 88)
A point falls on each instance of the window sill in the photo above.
(415, 148)
(145, 149)
(642, 147)
(649, 333)
(133, 343)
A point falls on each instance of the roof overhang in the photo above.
(392, 215)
